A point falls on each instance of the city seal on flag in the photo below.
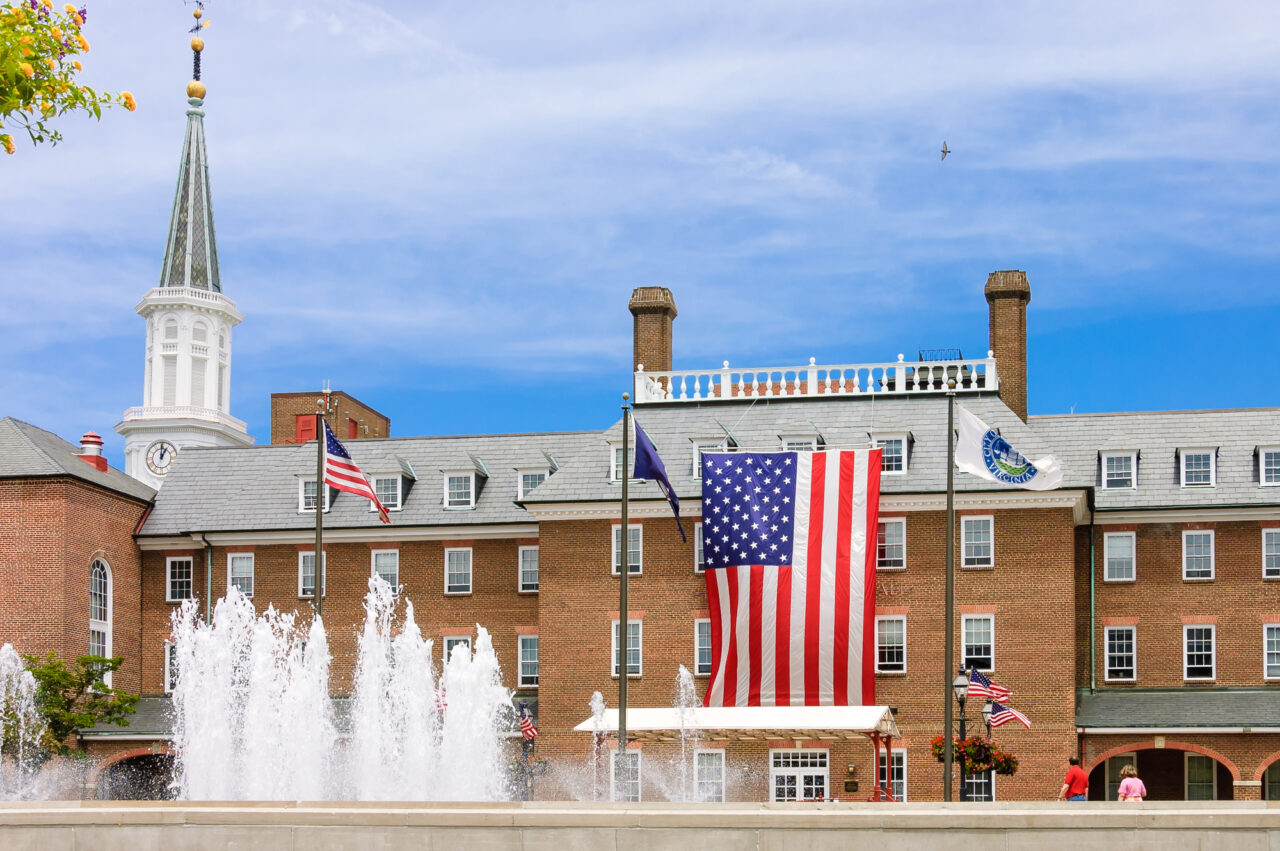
(982, 452)
(1004, 462)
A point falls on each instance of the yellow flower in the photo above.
(52, 65)
(48, 4)
(8, 144)
(79, 67)
(27, 69)
(56, 33)
(26, 39)
(26, 51)
(84, 43)
(79, 20)
(129, 103)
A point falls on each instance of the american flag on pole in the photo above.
(791, 576)
(1001, 715)
(980, 685)
(342, 473)
(526, 723)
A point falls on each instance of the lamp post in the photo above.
(961, 687)
(986, 716)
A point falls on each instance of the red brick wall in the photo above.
(285, 407)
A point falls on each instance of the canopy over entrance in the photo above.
(747, 723)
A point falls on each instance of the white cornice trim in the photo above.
(1186, 515)
(1172, 731)
(340, 536)
(1073, 499)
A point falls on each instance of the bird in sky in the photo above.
(945, 149)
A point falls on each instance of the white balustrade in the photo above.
(897, 378)
(189, 412)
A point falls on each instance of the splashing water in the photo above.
(20, 729)
(253, 718)
(685, 700)
(597, 742)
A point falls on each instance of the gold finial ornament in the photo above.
(197, 14)
(197, 44)
(195, 89)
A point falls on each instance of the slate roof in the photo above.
(1236, 435)
(30, 452)
(151, 718)
(255, 488)
(1180, 708)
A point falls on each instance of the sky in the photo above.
(442, 208)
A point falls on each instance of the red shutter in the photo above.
(351, 428)
(305, 428)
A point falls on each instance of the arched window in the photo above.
(199, 333)
(100, 611)
(171, 329)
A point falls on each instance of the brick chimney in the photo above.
(1007, 294)
(654, 309)
(91, 450)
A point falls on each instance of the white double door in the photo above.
(799, 775)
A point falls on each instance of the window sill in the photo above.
(459, 508)
(527, 687)
(1200, 680)
(1275, 578)
(458, 593)
(1198, 579)
(629, 676)
(884, 567)
(1131, 580)
(891, 673)
(528, 592)
(631, 573)
(1130, 681)
(978, 567)
(1120, 488)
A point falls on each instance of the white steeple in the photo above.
(187, 376)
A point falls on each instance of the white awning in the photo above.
(746, 723)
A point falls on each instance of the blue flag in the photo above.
(649, 466)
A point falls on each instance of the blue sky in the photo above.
(442, 207)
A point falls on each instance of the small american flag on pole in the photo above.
(526, 723)
(1001, 715)
(342, 473)
(980, 685)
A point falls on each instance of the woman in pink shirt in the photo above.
(1131, 788)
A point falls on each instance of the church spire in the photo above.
(191, 254)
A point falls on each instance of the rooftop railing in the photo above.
(189, 412)
(900, 378)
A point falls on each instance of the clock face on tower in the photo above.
(160, 457)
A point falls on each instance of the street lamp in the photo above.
(986, 716)
(961, 687)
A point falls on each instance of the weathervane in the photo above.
(196, 89)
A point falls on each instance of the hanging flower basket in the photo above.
(979, 755)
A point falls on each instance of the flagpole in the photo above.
(317, 593)
(624, 559)
(949, 604)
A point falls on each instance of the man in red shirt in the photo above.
(1075, 786)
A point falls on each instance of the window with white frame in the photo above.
(896, 782)
(179, 583)
(979, 545)
(460, 490)
(387, 489)
(1119, 470)
(699, 557)
(701, 446)
(1114, 765)
(386, 563)
(708, 771)
(893, 458)
(1202, 777)
(799, 443)
(240, 572)
(979, 633)
(891, 544)
(701, 647)
(1198, 652)
(1122, 653)
(1271, 553)
(307, 496)
(170, 666)
(528, 661)
(529, 479)
(616, 464)
(980, 787)
(1198, 468)
(1269, 466)
(634, 636)
(457, 571)
(528, 570)
(452, 641)
(1118, 556)
(634, 549)
(1197, 554)
(100, 612)
(624, 776)
(891, 644)
(307, 575)
(1271, 651)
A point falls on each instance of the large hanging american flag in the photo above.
(789, 546)
(342, 473)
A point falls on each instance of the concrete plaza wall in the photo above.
(172, 826)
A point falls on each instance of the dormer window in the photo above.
(1198, 468)
(460, 490)
(1119, 470)
(799, 443)
(307, 496)
(1269, 466)
(616, 463)
(706, 445)
(894, 448)
(388, 489)
(527, 480)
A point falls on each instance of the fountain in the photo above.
(20, 729)
(253, 719)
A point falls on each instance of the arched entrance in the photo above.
(143, 777)
(1176, 772)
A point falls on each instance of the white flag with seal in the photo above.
(982, 452)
